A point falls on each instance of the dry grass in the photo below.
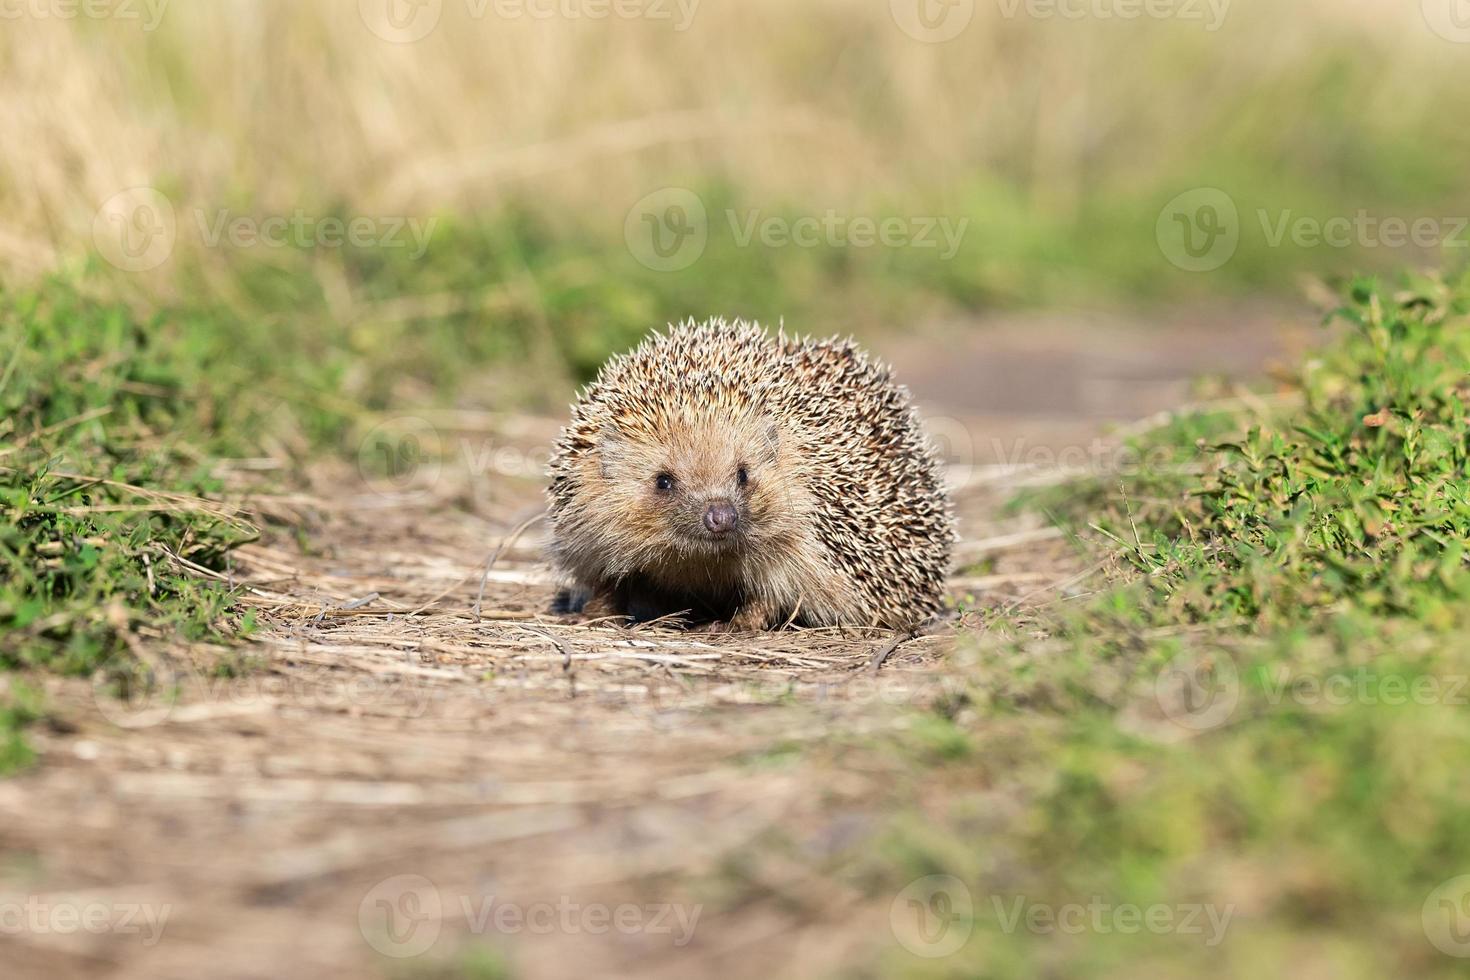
(273, 105)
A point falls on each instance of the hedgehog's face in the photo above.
(698, 489)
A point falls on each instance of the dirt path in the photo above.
(403, 779)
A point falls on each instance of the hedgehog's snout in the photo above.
(720, 518)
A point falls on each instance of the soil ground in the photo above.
(423, 746)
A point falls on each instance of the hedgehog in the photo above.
(749, 482)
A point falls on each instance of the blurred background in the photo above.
(399, 200)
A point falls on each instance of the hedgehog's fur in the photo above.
(842, 515)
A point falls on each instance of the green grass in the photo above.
(111, 429)
(111, 426)
(1354, 499)
(475, 962)
(1298, 566)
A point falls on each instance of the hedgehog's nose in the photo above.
(720, 517)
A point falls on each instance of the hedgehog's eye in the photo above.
(742, 476)
(664, 481)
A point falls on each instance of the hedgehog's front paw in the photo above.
(753, 617)
(604, 604)
(717, 627)
(727, 626)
